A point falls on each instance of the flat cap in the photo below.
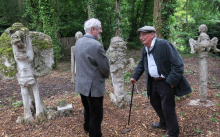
(146, 29)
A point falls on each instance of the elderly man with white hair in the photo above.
(92, 67)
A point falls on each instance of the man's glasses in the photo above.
(144, 34)
(98, 28)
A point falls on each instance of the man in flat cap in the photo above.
(164, 78)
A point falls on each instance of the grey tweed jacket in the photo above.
(92, 67)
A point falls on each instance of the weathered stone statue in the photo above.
(33, 55)
(203, 45)
(192, 43)
(78, 35)
(118, 62)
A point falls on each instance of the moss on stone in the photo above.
(39, 42)
(18, 26)
(62, 103)
(7, 71)
(5, 45)
(40, 118)
(7, 52)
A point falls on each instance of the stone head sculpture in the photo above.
(18, 35)
(203, 28)
(18, 39)
(78, 35)
(17, 25)
(116, 51)
(117, 43)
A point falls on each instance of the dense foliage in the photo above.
(9, 14)
(199, 12)
(63, 18)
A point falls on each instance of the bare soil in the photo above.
(194, 121)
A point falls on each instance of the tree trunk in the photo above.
(20, 9)
(187, 15)
(158, 5)
(58, 10)
(133, 22)
(91, 13)
(117, 33)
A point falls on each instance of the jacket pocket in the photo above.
(166, 67)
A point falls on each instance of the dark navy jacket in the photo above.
(169, 64)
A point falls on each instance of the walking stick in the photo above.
(128, 129)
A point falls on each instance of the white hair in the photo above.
(91, 23)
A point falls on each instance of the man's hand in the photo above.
(133, 81)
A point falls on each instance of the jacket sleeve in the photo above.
(177, 65)
(103, 62)
(140, 67)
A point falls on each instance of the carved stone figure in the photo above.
(116, 54)
(203, 45)
(192, 43)
(78, 35)
(31, 60)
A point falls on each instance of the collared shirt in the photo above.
(152, 67)
(90, 35)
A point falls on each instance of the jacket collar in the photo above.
(89, 36)
(145, 52)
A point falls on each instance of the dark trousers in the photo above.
(162, 99)
(93, 114)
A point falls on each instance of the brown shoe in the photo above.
(158, 125)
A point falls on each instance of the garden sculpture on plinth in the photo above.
(78, 35)
(32, 56)
(203, 45)
(118, 62)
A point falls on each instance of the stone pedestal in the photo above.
(72, 65)
(203, 76)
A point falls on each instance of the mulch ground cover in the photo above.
(194, 121)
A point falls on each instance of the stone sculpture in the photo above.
(33, 57)
(118, 62)
(192, 43)
(78, 35)
(203, 45)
